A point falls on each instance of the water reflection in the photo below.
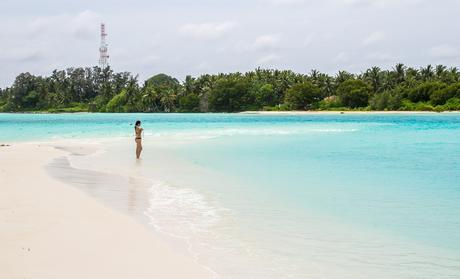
(129, 195)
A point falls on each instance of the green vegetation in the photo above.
(302, 96)
(102, 90)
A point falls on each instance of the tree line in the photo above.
(102, 90)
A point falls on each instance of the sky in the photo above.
(179, 37)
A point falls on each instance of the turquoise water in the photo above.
(326, 196)
(401, 178)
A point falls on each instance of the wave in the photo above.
(180, 212)
(184, 214)
(228, 132)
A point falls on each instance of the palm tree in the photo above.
(440, 71)
(427, 73)
(189, 85)
(132, 94)
(326, 84)
(399, 72)
(373, 75)
(343, 76)
(168, 99)
(149, 99)
(314, 76)
(389, 80)
(454, 74)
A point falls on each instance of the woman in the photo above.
(138, 131)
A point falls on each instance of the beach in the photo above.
(230, 196)
(335, 112)
(265, 139)
(51, 230)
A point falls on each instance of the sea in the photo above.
(273, 195)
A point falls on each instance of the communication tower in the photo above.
(103, 56)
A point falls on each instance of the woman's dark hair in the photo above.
(138, 122)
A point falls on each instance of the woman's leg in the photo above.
(138, 148)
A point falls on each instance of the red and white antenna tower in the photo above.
(103, 56)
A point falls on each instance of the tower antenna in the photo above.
(103, 56)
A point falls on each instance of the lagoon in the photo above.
(282, 196)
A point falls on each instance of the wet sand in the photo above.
(50, 229)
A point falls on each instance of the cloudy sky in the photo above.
(181, 37)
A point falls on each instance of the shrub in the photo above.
(78, 108)
(354, 93)
(440, 97)
(422, 92)
(388, 100)
(330, 103)
(117, 103)
(230, 95)
(189, 103)
(420, 106)
(264, 95)
(302, 96)
(452, 104)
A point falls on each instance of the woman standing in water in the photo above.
(138, 131)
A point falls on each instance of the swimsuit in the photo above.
(138, 132)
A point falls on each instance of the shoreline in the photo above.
(95, 165)
(45, 221)
(292, 112)
(332, 112)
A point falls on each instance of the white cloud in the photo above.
(308, 40)
(378, 3)
(176, 36)
(265, 42)
(207, 30)
(203, 66)
(283, 2)
(83, 25)
(342, 57)
(362, 2)
(47, 38)
(379, 56)
(150, 60)
(373, 38)
(261, 44)
(268, 59)
(21, 55)
(444, 51)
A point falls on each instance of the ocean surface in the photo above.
(275, 196)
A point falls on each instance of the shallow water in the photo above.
(258, 196)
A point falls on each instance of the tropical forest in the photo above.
(430, 88)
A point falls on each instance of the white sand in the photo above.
(51, 230)
(343, 112)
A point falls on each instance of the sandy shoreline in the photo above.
(291, 112)
(52, 230)
(344, 112)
